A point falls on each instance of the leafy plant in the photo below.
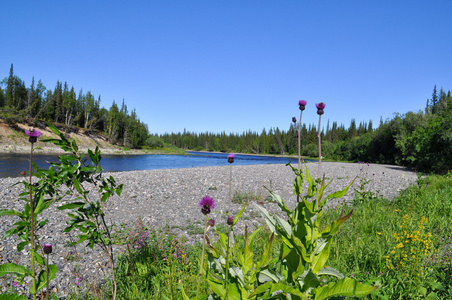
(86, 212)
(306, 248)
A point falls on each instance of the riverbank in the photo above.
(170, 197)
(14, 140)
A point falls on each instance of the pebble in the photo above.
(170, 197)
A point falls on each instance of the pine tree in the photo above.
(31, 98)
(9, 94)
(352, 129)
(2, 98)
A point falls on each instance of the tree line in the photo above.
(421, 140)
(63, 105)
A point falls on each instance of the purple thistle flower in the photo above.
(33, 135)
(76, 281)
(294, 119)
(302, 104)
(206, 204)
(320, 106)
(15, 284)
(231, 158)
(47, 248)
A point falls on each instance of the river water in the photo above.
(12, 164)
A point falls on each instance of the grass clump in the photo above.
(403, 246)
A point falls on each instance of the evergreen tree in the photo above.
(9, 94)
(2, 98)
(352, 129)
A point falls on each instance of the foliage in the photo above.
(63, 106)
(408, 219)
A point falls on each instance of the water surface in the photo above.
(12, 164)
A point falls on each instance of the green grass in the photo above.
(361, 250)
(364, 244)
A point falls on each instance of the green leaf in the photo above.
(38, 258)
(283, 224)
(267, 217)
(331, 271)
(267, 275)
(12, 297)
(273, 287)
(77, 186)
(237, 217)
(71, 205)
(11, 268)
(334, 227)
(308, 280)
(338, 194)
(344, 287)
(21, 246)
(266, 255)
(42, 279)
(321, 254)
(9, 212)
(216, 285)
(277, 198)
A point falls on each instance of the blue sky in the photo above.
(233, 65)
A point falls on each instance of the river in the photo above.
(12, 164)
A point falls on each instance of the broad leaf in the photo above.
(11, 268)
(42, 279)
(331, 271)
(344, 287)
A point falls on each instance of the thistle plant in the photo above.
(35, 202)
(207, 204)
(302, 106)
(306, 247)
(47, 251)
(320, 107)
(238, 275)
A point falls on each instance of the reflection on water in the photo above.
(12, 164)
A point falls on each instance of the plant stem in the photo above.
(230, 188)
(299, 142)
(320, 149)
(32, 233)
(227, 264)
(47, 270)
(202, 255)
(320, 162)
(299, 150)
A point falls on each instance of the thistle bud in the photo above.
(47, 248)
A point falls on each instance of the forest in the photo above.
(421, 140)
(62, 105)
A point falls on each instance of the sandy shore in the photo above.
(170, 197)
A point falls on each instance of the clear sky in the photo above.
(233, 66)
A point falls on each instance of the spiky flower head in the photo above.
(33, 135)
(206, 204)
(47, 248)
(294, 119)
(302, 104)
(320, 106)
(231, 158)
(230, 220)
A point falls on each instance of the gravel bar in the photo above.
(170, 197)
